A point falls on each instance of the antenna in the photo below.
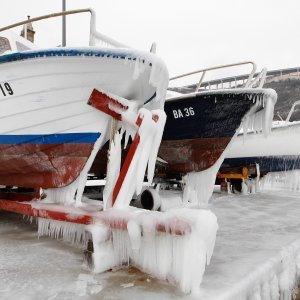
(63, 24)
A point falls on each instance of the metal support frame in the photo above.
(104, 103)
(80, 216)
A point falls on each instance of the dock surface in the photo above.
(258, 241)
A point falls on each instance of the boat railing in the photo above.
(259, 80)
(296, 103)
(250, 82)
(94, 34)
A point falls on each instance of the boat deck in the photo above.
(258, 242)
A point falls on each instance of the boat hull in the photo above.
(266, 163)
(47, 129)
(44, 161)
(198, 130)
(280, 151)
(200, 127)
(188, 155)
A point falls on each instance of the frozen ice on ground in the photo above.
(87, 284)
(255, 233)
(127, 285)
(258, 243)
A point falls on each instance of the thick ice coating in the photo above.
(287, 180)
(150, 134)
(179, 255)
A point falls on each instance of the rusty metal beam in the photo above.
(111, 218)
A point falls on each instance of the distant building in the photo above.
(28, 32)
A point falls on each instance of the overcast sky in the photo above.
(190, 34)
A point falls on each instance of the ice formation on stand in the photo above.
(199, 185)
(113, 169)
(150, 134)
(175, 245)
(179, 257)
(69, 232)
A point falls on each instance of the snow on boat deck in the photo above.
(258, 237)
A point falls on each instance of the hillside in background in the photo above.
(288, 90)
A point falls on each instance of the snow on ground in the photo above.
(255, 233)
(258, 235)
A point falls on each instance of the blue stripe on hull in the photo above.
(58, 138)
(113, 53)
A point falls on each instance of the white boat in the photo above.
(48, 132)
(280, 151)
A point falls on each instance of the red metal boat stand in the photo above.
(31, 206)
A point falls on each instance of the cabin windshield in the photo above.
(4, 45)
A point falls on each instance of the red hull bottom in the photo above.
(183, 156)
(192, 155)
(40, 165)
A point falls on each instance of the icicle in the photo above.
(228, 187)
(156, 143)
(68, 232)
(261, 121)
(257, 179)
(286, 180)
(113, 170)
(202, 183)
(244, 188)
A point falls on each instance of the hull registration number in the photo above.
(183, 113)
(6, 89)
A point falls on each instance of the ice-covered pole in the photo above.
(148, 128)
(143, 153)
